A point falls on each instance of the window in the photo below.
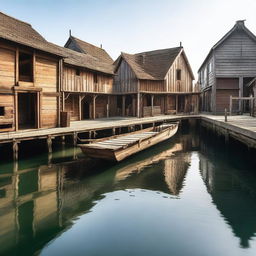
(178, 74)
(95, 78)
(25, 67)
(78, 72)
(210, 67)
(2, 111)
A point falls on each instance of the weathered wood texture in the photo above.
(46, 73)
(85, 81)
(236, 56)
(125, 79)
(152, 86)
(183, 85)
(7, 68)
(7, 81)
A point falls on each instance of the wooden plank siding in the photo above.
(152, 86)
(46, 73)
(125, 79)
(233, 64)
(85, 81)
(186, 82)
(236, 56)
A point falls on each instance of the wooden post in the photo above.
(16, 111)
(123, 105)
(152, 105)
(63, 139)
(15, 148)
(138, 105)
(108, 106)
(80, 107)
(113, 131)
(93, 106)
(176, 101)
(49, 144)
(75, 139)
(63, 101)
(141, 126)
(226, 118)
(166, 105)
(38, 105)
(16, 66)
(240, 94)
(230, 105)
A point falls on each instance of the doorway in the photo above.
(27, 110)
(86, 110)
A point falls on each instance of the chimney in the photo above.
(240, 23)
(181, 44)
(70, 33)
(101, 46)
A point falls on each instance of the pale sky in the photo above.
(136, 25)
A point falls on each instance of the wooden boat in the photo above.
(119, 147)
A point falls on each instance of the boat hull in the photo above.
(122, 153)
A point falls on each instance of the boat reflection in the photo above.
(38, 203)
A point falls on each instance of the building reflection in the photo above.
(232, 190)
(37, 204)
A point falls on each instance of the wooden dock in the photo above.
(242, 128)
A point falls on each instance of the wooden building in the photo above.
(87, 84)
(29, 77)
(154, 83)
(229, 66)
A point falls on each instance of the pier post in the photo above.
(75, 139)
(113, 131)
(141, 126)
(108, 106)
(15, 148)
(138, 105)
(230, 105)
(152, 105)
(123, 105)
(49, 144)
(226, 115)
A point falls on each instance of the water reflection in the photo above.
(231, 182)
(39, 202)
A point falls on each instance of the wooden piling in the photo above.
(49, 144)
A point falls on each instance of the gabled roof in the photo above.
(23, 33)
(86, 61)
(239, 26)
(152, 65)
(91, 49)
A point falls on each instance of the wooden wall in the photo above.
(152, 86)
(85, 81)
(46, 75)
(44, 84)
(72, 106)
(7, 81)
(125, 79)
(236, 56)
(186, 82)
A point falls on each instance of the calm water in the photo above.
(191, 195)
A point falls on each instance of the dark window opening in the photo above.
(25, 67)
(178, 74)
(2, 111)
(5, 126)
(95, 78)
(78, 72)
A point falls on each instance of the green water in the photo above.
(190, 195)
